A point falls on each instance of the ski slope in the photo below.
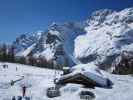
(38, 80)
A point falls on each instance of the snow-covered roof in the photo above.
(91, 71)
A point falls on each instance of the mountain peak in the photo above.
(102, 12)
(105, 36)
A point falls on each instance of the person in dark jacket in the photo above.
(23, 91)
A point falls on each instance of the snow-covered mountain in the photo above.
(26, 43)
(101, 39)
(108, 34)
(55, 43)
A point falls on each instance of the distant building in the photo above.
(66, 70)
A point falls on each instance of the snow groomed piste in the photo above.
(39, 80)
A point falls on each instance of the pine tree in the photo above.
(11, 54)
(22, 60)
(1, 54)
(4, 53)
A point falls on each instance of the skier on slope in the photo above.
(23, 91)
(25, 83)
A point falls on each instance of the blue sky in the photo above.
(22, 16)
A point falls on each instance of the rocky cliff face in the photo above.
(123, 64)
(108, 34)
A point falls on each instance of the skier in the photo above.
(12, 82)
(16, 68)
(23, 91)
(4, 66)
(7, 66)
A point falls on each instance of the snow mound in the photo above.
(91, 71)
